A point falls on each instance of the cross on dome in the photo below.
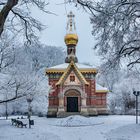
(71, 24)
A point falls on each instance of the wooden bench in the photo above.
(21, 124)
(13, 121)
(18, 123)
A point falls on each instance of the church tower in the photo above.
(73, 85)
(71, 39)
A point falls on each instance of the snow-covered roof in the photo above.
(100, 88)
(65, 65)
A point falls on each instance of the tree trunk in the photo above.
(5, 11)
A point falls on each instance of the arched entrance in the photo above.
(72, 101)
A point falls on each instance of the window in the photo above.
(57, 76)
(50, 76)
(72, 78)
(87, 75)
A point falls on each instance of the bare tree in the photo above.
(17, 86)
(7, 55)
(25, 74)
(116, 26)
(15, 16)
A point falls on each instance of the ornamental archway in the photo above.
(72, 101)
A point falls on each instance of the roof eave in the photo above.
(102, 91)
(63, 70)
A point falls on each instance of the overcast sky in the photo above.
(56, 30)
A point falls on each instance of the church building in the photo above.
(74, 88)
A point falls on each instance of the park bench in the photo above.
(13, 121)
(18, 123)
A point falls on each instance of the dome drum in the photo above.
(70, 58)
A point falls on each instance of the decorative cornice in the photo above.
(88, 70)
(63, 70)
(55, 71)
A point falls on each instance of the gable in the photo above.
(72, 67)
(72, 79)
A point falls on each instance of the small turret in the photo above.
(71, 39)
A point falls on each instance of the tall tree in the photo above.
(22, 69)
(16, 14)
(116, 26)
(7, 48)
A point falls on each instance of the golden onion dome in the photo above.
(71, 39)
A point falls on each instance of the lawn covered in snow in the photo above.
(113, 127)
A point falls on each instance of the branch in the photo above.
(5, 11)
(134, 62)
(12, 99)
(126, 44)
(25, 24)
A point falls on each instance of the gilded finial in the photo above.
(71, 24)
(71, 37)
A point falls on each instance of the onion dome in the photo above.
(71, 39)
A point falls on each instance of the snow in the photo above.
(113, 127)
(76, 121)
(65, 65)
(60, 66)
(99, 87)
(131, 130)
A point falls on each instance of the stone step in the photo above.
(66, 114)
(73, 113)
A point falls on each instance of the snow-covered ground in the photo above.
(74, 128)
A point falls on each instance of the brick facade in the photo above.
(89, 103)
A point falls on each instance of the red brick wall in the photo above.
(101, 99)
(90, 90)
(53, 97)
(93, 98)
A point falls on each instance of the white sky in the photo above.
(56, 30)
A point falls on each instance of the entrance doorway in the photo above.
(72, 104)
